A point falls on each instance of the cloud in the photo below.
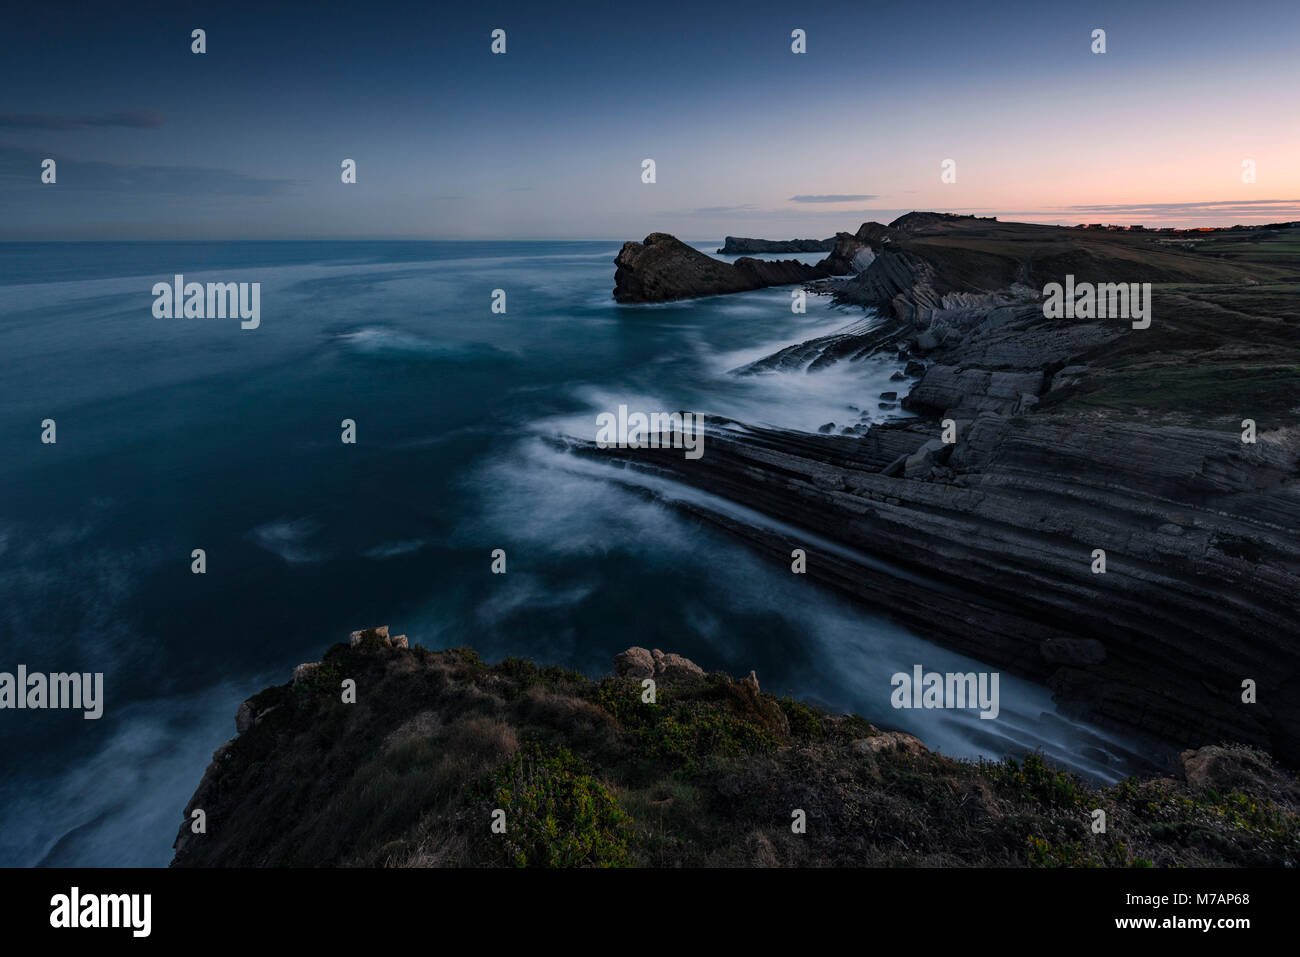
(834, 198)
(713, 210)
(1163, 213)
(21, 168)
(1257, 206)
(131, 119)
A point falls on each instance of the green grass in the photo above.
(556, 814)
(1229, 392)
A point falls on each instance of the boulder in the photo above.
(301, 672)
(1225, 769)
(675, 666)
(356, 637)
(890, 741)
(636, 662)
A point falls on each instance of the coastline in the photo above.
(1197, 526)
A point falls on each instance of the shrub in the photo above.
(1036, 780)
(557, 814)
(804, 721)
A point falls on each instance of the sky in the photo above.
(547, 141)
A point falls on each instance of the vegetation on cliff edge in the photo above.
(587, 774)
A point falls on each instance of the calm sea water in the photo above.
(186, 433)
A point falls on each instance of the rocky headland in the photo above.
(1070, 436)
(742, 246)
(662, 268)
(444, 760)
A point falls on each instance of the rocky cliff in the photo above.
(1070, 436)
(439, 759)
(741, 246)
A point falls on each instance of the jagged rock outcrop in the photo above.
(303, 671)
(741, 246)
(663, 268)
(1235, 769)
(637, 662)
(849, 255)
(890, 741)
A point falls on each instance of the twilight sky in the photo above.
(546, 142)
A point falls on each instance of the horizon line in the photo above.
(588, 239)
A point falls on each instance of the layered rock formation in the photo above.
(741, 246)
(1071, 436)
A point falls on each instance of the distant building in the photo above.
(1136, 229)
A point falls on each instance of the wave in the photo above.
(288, 538)
(389, 342)
(395, 549)
(122, 805)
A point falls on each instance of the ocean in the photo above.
(182, 434)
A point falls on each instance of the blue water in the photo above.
(175, 434)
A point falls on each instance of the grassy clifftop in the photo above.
(439, 745)
(1223, 340)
